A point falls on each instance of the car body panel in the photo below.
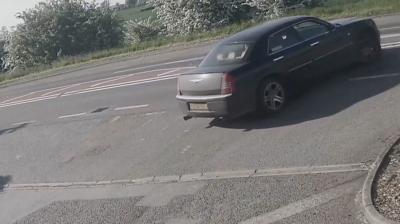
(293, 64)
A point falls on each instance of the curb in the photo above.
(370, 212)
(205, 176)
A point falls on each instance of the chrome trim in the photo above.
(314, 44)
(203, 98)
(278, 59)
(300, 66)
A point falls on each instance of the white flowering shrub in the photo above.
(5, 40)
(137, 31)
(184, 17)
(269, 9)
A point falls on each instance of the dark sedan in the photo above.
(256, 68)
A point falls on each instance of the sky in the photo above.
(9, 8)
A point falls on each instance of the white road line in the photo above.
(72, 115)
(27, 101)
(131, 107)
(155, 65)
(115, 119)
(117, 86)
(16, 98)
(375, 77)
(167, 73)
(390, 28)
(130, 75)
(26, 122)
(390, 35)
(389, 44)
(155, 113)
(303, 205)
(60, 89)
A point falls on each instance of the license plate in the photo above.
(198, 106)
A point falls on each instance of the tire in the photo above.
(370, 51)
(271, 96)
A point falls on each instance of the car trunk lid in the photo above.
(200, 84)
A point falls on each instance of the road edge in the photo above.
(371, 214)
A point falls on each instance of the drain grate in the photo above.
(99, 110)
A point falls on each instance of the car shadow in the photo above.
(4, 180)
(329, 96)
(13, 129)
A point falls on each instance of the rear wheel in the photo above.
(370, 50)
(272, 96)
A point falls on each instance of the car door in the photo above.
(289, 55)
(327, 45)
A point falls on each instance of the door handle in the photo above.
(278, 59)
(314, 44)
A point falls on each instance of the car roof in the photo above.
(255, 33)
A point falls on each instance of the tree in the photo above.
(63, 27)
(5, 39)
(269, 9)
(137, 31)
(187, 16)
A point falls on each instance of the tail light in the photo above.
(228, 84)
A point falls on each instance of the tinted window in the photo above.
(310, 29)
(283, 40)
(227, 54)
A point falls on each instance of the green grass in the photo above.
(346, 8)
(332, 9)
(139, 13)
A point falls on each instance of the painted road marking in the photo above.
(115, 119)
(87, 90)
(59, 89)
(126, 76)
(390, 35)
(166, 63)
(26, 122)
(390, 28)
(155, 113)
(72, 115)
(375, 77)
(27, 101)
(131, 107)
(178, 69)
(132, 83)
(304, 204)
(389, 44)
(16, 98)
(167, 73)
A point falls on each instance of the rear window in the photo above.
(227, 54)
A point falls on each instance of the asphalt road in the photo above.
(120, 121)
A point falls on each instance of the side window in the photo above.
(282, 40)
(310, 29)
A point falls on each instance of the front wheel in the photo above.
(272, 96)
(370, 51)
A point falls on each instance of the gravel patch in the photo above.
(386, 191)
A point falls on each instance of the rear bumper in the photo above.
(218, 105)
